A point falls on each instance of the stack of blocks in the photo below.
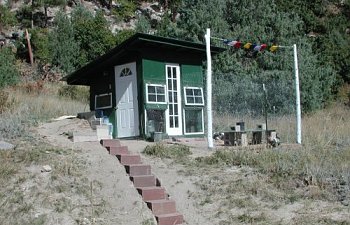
(147, 185)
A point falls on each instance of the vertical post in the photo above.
(265, 109)
(29, 48)
(297, 93)
(209, 91)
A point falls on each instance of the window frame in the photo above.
(184, 121)
(202, 96)
(156, 94)
(101, 95)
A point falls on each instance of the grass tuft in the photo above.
(167, 151)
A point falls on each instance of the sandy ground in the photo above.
(124, 205)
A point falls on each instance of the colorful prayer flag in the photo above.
(247, 46)
(273, 48)
(235, 44)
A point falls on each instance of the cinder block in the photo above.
(138, 169)
(118, 150)
(159, 207)
(144, 181)
(170, 219)
(128, 159)
(110, 143)
(152, 193)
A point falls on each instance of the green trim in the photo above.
(156, 106)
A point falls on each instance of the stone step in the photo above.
(118, 150)
(152, 193)
(129, 159)
(144, 181)
(169, 219)
(164, 206)
(138, 169)
(110, 143)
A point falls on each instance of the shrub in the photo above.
(79, 93)
(9, 74)
(166, 151)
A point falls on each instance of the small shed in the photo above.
(148, 84)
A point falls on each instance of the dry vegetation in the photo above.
(28, 195)
(306, 185)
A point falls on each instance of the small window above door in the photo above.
(125, 72)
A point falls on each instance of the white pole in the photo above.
(209, 92)
(297, 93)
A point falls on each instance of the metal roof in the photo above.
(137, 43)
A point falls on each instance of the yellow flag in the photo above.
(273, 48)
(247, 45)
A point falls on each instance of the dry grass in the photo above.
(27, 109)
(306, 185)
(29, 196)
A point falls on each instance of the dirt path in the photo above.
(122, 203)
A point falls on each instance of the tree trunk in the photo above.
(29, 49)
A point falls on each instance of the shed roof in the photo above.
(137, 43)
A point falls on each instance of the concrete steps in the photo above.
(144, 181)
(147, 185)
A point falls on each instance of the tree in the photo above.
(92, 33)
(9, 74)
(63, 46)
(7, 18)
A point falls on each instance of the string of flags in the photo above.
(248, 45)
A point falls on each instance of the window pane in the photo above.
(193, 121)
(176, 112)
(170, 87)
(171, 109)
(170, 96)
(152, 98)
(174, 72)
(197, 92)
(160, 90)
(169, 72)
(171, 121)
(161, 98)
(188, 91)
(176, 121)
(190, 100)
(175, 85)
(151, 89)
(198, 100)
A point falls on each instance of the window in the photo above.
(155, 93)
(193, 96)
(194, 121)
(125, 72)
(103, 101)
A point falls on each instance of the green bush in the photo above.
(7, 18)
(125, 10)
(9, 74)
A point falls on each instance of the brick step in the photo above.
(118, 150)
(159, 207)
(144, 181)
(152, 193)
(138, 169)
(129, 159)
(169, 219)
(110, 143)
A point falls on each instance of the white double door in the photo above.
(127, 115)
(173, 113)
